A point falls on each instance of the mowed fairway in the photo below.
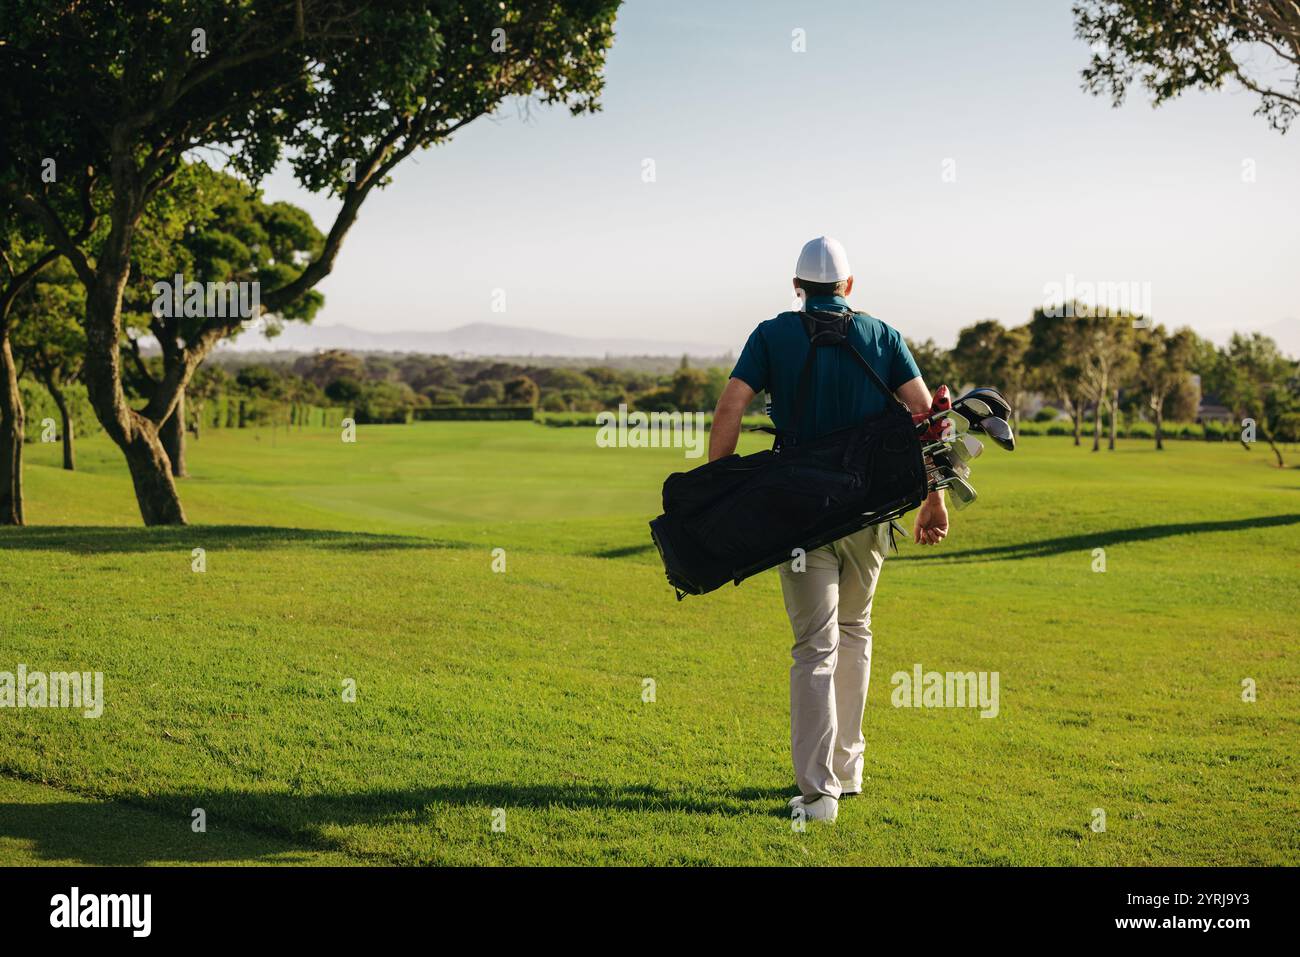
(523, 691)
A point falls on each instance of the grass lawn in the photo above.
(522, 691)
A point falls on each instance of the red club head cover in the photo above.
(941, 402)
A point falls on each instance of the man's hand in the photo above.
(932, 520)
(931, 526)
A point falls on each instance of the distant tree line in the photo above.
(1086, 368)
(1103, 365)
(379, 387)
(1098, 369)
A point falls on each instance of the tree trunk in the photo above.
(1278, 452)
(151, 474)
(69, 459)
(135, 435)
(1114, 419)
(172, 435)
(11, 437)
(1160, 424)
(1096, 426)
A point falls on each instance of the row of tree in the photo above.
(1085, 358)
(1116, 367)
(413, 381)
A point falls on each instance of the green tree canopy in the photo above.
(1170, 46)
(102, 103)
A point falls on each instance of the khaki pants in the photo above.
(829, 604)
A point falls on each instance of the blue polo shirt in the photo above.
(842, 395)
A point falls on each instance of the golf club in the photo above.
(973, 408)
(994, 399)
(963, 493)
(942, 457)
(960, 422)
(999, 431)
(967, 447)
(959, 425)
(961, 448)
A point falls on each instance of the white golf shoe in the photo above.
(822, 807)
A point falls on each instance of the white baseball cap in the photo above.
(823, 260)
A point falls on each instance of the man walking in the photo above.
(828, 600)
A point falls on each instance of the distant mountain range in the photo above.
(475, 339)
(490, 339)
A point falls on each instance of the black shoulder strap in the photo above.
(875, 377)
(828, 329)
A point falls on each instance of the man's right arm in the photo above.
(725, 432)
(931, 526)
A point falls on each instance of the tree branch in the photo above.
(50, 223)
(20, 281)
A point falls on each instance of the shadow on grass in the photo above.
(1086, 541)
(94, 539)
(1048, 546)
(623, 551)
(108, 834)
(156, 829)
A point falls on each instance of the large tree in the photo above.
(936, 364)
(1054, 358)
(1175, 45)
(214, 228)
(989, 354)
(1106, 361)
(1260, 383)
(1163, 365)
(21, 261)
(102, 103)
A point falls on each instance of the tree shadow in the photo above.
(276, 826)
(96, 539)
(110, 834)
(1086, 541)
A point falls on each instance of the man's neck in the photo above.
(826, 302)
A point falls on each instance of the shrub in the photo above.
(385, 402)
(1288, 428)
(522, 390)
(660, 400)
(1047, 414)
(486, 392)
(344, 391)
(1218, 432)
(38, 406)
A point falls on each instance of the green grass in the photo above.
(523, 690)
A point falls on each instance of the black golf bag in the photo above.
(741, 515)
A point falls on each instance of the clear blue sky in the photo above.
(758, 148)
